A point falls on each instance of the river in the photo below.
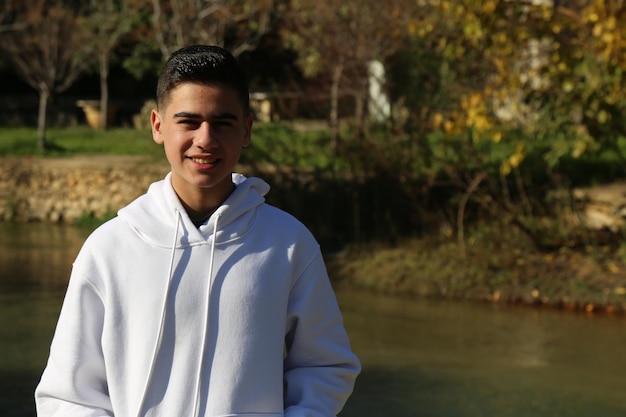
(420, 358)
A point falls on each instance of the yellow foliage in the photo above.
(505, 168)
(608, 37)
(582, 145)
(437, 120)
(610, 23)
(597, 30)
(546, 13)
(568, 86)
(489, 6)
(448, 127)
(518, 156)
(513, 161)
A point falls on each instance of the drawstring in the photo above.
(206, 317)
(157, 344)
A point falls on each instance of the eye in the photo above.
(223, 123)
(188, 122)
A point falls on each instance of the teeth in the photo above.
(204, 160)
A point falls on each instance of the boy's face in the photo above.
(203, 129)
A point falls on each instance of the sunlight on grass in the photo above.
(78, 140)
(271, 144)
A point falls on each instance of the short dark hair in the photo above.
(203, 64)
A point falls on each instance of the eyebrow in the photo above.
(229, 116)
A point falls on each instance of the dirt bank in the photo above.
(62, 190)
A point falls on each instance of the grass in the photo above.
(272, 144)
(88, 221)
(22, 141)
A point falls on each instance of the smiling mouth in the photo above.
(204, 161)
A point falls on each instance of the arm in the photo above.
(320, 368)
(74, 381)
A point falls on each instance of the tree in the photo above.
(47, 52)
(585, 76)
(340, 40)
(106, 22)
(7, 24)
(557, 74)
(237, 25)
(550, 86)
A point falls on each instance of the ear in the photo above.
(155, 121)
(248, 131)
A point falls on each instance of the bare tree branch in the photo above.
(236, 25)
(48, 52)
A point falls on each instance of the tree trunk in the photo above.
(334, 106)
(104, 91)
(44, 95)
(359, 113)
(460, 232)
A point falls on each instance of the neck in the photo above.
(200, 209)
(198, 219)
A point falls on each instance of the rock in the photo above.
(64, 189)
(604, 206)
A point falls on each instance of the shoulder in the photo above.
(282, 220)
(287, 231)
(105, 240)
(108, 230)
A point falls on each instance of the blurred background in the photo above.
(460, 162)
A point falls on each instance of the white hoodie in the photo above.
(165, 319)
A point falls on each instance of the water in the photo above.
(436, 359)
(420, 358)
(35, 261)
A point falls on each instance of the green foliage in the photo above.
(558, 77)
(89, 221)
(418, 76)
(281, 144)
(78, 141)
(145, 58)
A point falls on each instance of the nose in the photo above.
(204, 137)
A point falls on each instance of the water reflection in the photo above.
(454, 359)
(37, 255)
(35, 261)
(420, 358)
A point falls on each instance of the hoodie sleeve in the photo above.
(74, 381)
(320, 368)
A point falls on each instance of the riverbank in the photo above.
(498, 266)
(64, 190)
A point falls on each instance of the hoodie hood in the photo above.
(162, 318)
(158, 215)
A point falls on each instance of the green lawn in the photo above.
(271, 143)
(76, 141)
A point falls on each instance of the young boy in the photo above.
(199, 299)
